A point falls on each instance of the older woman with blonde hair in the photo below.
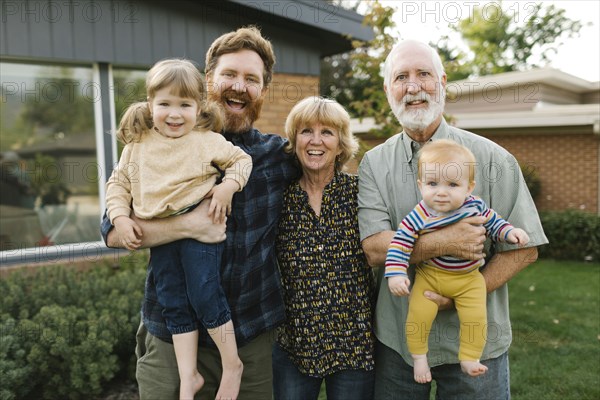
(328, 287)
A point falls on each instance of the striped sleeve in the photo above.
(496, 226)
(401, 247)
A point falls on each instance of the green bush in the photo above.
(573, 235)
(532, 179)
(65, 333)
(15, 371)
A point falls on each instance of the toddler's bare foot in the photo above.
(473, 368)
(421, 367)
(230, 382)
(190, 386)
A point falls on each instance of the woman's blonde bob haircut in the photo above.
(316, 109)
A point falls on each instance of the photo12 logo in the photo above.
(61, 11)
(454, 11)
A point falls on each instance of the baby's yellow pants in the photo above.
(469, 294)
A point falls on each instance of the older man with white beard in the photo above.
(414, 83)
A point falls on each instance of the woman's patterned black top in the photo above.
(328, 286)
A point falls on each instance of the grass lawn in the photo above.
(555, 313)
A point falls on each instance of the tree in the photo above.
(500, 41)
(497, 40)
(368, 59)
(354, 79)
(339, 81)
(60, 107)
(337, 78)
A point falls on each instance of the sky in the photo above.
(428, 21)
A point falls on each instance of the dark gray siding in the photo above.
(138, 33)
(62, 39)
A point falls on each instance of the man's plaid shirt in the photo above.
(249, 273)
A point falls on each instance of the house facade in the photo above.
(549, 120)
(69, 69)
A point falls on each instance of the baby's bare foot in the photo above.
(190, 386)
(230, 382)
(473, 368)
(421, 367)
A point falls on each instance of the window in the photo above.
(129, 88)
(49, 188)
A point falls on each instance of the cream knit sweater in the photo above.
(160, 176)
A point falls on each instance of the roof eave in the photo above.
(568, 115)
(547, 76)
(326, 19)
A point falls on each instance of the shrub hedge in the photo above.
(65, 333)
(573, 235)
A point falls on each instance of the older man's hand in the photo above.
(442, 302)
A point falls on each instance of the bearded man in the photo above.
(239, 68)
(414, 82)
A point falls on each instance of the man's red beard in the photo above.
(237, 122)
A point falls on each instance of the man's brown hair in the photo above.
(247, 38)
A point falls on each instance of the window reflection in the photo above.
(129, 85)
(49, 187)
(129, 88)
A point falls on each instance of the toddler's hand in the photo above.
(399, 285)
(220, 204)
(129, 232)
(219, 211)
(518, 236)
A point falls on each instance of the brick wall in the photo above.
(285, 91)
(567, 165)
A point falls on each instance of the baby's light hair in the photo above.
(444, 151)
